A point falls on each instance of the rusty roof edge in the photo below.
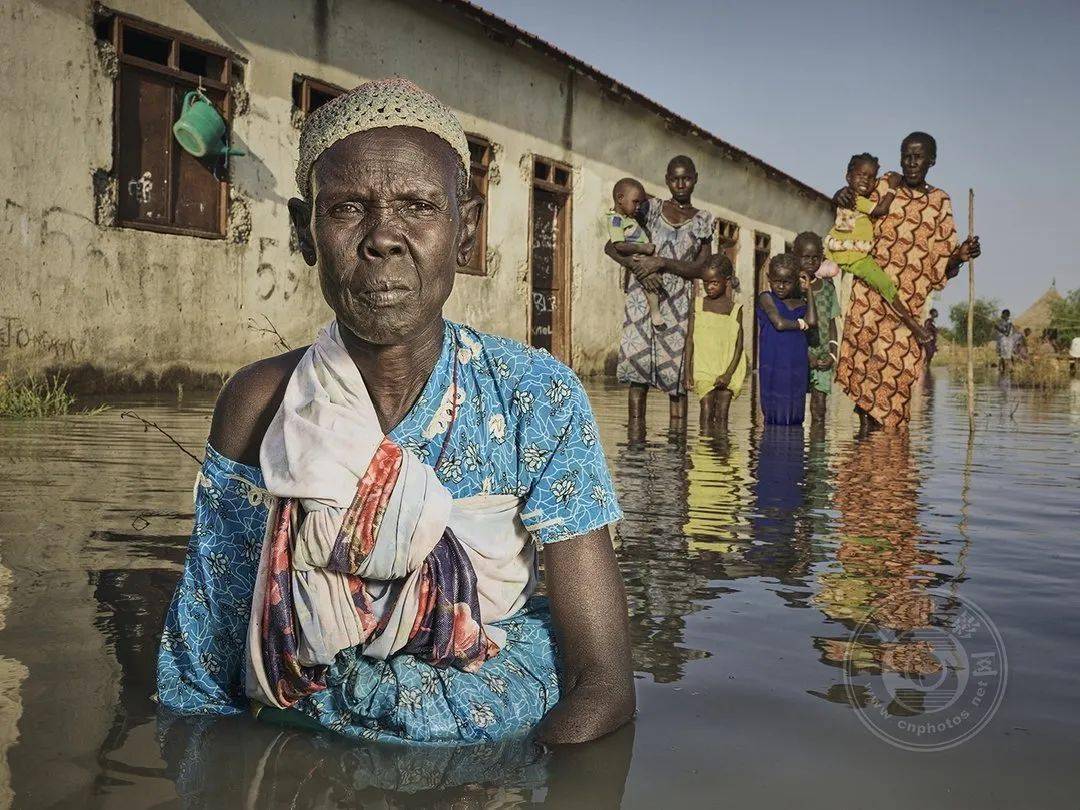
(512, 32)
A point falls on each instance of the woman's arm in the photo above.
(779, 322)
(634, 248)
(588, 608)
(687, 269)
(626, 261)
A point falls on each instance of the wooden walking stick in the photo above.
(971, 319)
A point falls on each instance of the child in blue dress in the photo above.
(787, 324)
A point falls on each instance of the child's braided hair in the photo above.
(864, 157)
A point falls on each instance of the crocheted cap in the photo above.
(393, 102)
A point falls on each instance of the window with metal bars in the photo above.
(480, 154)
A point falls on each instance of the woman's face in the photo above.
(386, 229)
(915, 162)
(680, 182)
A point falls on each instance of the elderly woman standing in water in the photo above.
(656, 356)
(915, 243)
(369, 512)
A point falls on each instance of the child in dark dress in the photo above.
(787, 325)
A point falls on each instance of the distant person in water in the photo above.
(787, 325)
(627, 237)
(930, 327)
(651, 358)
(809, 251)
(1006, 340)
(852, 237)
(719, 357)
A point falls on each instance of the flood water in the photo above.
(749, 560)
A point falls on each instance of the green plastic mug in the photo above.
(200, 130)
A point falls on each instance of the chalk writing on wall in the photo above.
(15, 335)
(140, 187)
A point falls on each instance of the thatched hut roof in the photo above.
(1037, 316)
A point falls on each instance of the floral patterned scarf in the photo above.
(365, 547)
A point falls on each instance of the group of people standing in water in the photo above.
(895, 236)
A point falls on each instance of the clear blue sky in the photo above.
(804, 85)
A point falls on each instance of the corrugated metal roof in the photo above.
(508, 32)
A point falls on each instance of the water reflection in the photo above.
(755, 542)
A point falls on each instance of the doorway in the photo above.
(549, 259)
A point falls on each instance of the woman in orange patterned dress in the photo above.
(915, 243)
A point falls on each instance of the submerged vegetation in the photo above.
(1040, 371)
(37, 397)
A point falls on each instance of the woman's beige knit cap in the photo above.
(393, 102)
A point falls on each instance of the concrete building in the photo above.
(130, 263)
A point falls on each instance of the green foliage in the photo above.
(986, 312)
(36, 398)
(1065, 316)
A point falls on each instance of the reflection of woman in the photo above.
(683, 238)
(879, 564)
(915, 243)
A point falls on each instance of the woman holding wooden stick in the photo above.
(915, 243)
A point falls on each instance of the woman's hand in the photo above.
(968, 249)
(844, 198)
(893, 179)
(647, 265)
(823, 363)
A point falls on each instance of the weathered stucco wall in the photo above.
(133, 303)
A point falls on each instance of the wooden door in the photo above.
(549, 294)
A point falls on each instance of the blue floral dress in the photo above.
(523, 426)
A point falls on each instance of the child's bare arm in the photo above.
(779, 322)
(811, 315)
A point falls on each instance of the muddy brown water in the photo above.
(749, 560)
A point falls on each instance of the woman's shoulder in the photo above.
(247, 404)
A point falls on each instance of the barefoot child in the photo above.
(852, 237)
(787, 323)
(628, 238)
(719, 359)
(809, 251)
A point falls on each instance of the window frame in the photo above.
(306, 84)
(479, 176)
(727, 238)
(180, 80)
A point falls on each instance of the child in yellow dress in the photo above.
(719, 359)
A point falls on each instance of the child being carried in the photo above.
(629, 238)
(852, 237)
